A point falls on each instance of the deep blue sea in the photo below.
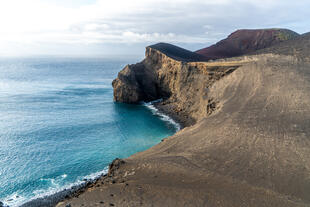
(59, 124)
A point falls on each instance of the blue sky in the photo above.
(119, 27)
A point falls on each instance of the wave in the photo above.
(57, 184)
(18, 199)
(162, 116)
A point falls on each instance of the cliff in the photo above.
(147, 80)
(182, 85)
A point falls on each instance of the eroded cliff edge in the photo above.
(182, 85)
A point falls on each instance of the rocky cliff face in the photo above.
(183, 86)
(182, 79)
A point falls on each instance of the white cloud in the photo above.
(35, 22)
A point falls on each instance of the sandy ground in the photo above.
(253, 151)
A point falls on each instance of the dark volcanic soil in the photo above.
(177, 53)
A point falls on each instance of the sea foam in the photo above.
(17, 199)
(162, 116)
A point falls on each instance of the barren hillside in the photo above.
(248, 137)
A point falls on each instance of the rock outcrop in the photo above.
(182, 78)
(144, 81)
(182, 85)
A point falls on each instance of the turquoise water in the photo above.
(59, 124)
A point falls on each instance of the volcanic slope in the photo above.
(244, 41)
(251, 150)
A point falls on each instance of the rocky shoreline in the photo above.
(75, 191)
(54, 199)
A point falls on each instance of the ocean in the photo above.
(59, 124)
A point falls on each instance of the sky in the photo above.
(125, 27)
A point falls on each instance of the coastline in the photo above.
(105, 178)
(168, 110)
(53, 199)
(164, 114)
(250, 146)
(239, 153)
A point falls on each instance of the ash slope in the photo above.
(250, 145)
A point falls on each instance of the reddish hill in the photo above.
(245, 41)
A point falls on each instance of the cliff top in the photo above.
(176, 52)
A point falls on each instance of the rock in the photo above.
(129, 86)
(180, 84)
(1, 204)
(114, 166)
